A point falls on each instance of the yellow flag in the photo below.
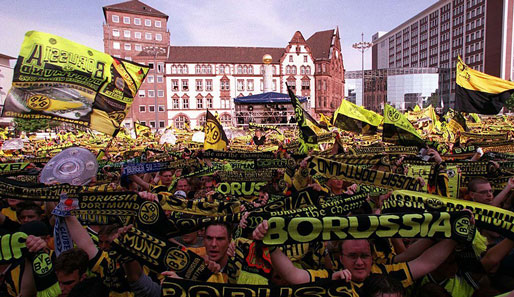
(215, 137)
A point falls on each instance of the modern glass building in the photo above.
(402, 88)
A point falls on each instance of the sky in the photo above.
(261, 23)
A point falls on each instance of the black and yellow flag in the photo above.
(215, 137)
(55, 78)
(398, 129)
(481, 93)
(309, 127)
(141, 129)
(351, 117)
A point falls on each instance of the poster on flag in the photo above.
(55, 78)
(351, 117)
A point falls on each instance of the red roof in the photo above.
(221, 54)
(2, 56)
(320, 43)
(135, 7)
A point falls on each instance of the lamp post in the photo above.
(362, 46)
(155, 50)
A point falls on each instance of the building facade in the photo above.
(480, 31)
(135, 31)
(6, 74)
(195, 78)
(402, 88)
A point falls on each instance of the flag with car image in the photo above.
(55, 78)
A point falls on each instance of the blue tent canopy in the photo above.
(270, 97)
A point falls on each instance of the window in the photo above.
(137, 21)
(142, 93)
(126, 33)
(199, 85)
(158, 36)
(225, 103)
(174, 85)
(138, 47)
(149, 79)
(116, 45)
(151, 93)
(249, 84)
(290, 58)
(160, 67)
(239, 69)
(160, 79)
(137, 35)
(142, 108)
(115, 19)
(225, 85)
(306, 85)
(115, 32)
(185, 103)
(208, 84)
(126, 20)
(305, 58)
(128, 46)
(161, 124)
(226, 120)
(161, 108)
(143, 123)
(176, 104)
(152, 124)
(148, 36)
(151, 108)
(209, 103)
(180, 121)
(250, 69)
(199, 103)
(240, 85)
(185, 85)
(157, 24)
(160, 93)
(148, 23)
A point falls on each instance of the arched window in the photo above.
(288, 69)
(226, 120)
(180, 121)
(245, 69)
(185, 69)
(308, 70)
(222, 69)
(239, 69)
(293, 70)
(250, 69)
(201, 120)
(197, 69)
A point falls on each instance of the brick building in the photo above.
(480, 31)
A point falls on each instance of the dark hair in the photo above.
(226, 225)
(381, 283)
(71, 260)
(90, 287)
(474, 182)
(28, 205)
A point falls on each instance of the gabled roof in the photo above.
(297, 38)
(320, 43)
(135, 7)
(222, 54)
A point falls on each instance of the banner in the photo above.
(215, 137)
(477, 92)
(486, 216)
(309, 128)
(456, 225)
(237, 155)
(172, 287)
(161, 255)
(359, 175)
(55, 78)
(141, 130)
(12, 247)
(351, 117)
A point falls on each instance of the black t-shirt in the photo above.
(259, 140)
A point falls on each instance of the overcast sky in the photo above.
(266, 23)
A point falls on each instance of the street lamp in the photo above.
(155, 50)
(362, 46)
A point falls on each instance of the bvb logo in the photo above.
(176, 259)
(38, 102)
(212, 134)
(434, 203)
(393, 115)
(462, 227)
(149, 213)
(118, 116)
(42, 264)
